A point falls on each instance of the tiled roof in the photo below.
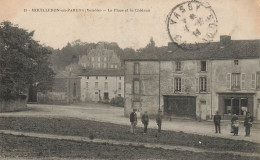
(104, 72)
(233, 49)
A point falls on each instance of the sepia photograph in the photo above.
(139, 79)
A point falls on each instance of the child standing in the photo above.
(236, 126)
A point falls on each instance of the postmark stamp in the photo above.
(191, 24)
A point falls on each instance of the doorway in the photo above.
(106, 97)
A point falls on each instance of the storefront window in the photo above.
(238, 106)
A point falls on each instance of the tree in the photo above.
(150, 47)
(23, 62)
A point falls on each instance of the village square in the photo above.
(117, 81)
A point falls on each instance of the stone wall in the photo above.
(64, 91)
(52, 98)
(13, 105)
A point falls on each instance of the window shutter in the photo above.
(253, 81)
(197, 84)
(207, 66)
(182, 66)
(258, 80)
(228, 81)
(173, 66)
(208, 84)
(243, 78)
(198, 66)
(182, 85)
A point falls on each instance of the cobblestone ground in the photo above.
(107, 113)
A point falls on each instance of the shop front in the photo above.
(235, 103)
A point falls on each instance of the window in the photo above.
(106, 86)
(115, 66)
(98, 59)
(136, 87)
(98, 65)
(203, 66)
(235, 62)
(136, 68)
(119, 78)
(106, 77)
(236, 105)
(203, 84)
(93, 66)
(87, 77)
(105, 65)
(112, 66)
(96, 77)
(119, 86)
(92, 59)
(119, 95)
(177, 84)
(178, 66)
(105, 59)
(87, 85)
(235, 81)
(96, 85)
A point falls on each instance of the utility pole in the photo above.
(159, 85)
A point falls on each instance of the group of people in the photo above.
(235, 124)
(217, 118)
(145, 121)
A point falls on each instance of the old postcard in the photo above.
(139, 79)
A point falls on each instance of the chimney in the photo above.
(225, 40)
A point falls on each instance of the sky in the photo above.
(238, 18)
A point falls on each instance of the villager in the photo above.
(234, 125)
(133, 120)
(145, 121)
(217, 119)
(248, 123)
(159, 121)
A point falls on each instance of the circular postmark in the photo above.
(192, 24)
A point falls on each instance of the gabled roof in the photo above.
(229, 49)
(104, 72)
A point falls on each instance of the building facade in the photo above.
(221, 76)
(102, 85)
(100, 58)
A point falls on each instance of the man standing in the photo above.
(133, 120)
(217, 119)
(145, 121)
(248, 123)
(159, 121)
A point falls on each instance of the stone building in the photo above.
(102, 85)
(220, 76)
(100, 58)
(65, 90)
